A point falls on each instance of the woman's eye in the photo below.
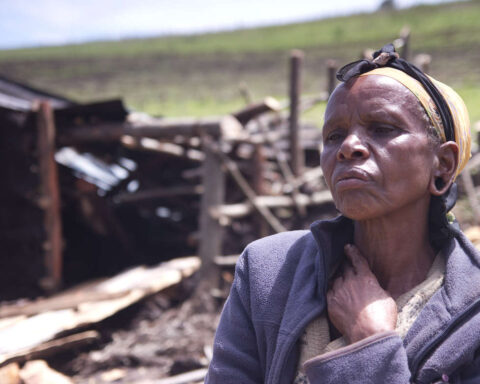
(334, 136)
(384, 129)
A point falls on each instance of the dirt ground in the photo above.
(168, 334)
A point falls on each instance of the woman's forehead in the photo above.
(375, 85)
(371, 91)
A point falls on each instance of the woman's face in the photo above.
(377, 156)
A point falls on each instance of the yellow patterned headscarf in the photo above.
(457, 107)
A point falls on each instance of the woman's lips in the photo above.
(352, 179)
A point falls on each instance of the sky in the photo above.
(54, 22)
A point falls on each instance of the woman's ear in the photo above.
(445, 168)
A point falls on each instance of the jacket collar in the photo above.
(331, 237)
(450, 316)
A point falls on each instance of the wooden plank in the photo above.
(24, 336)
(49, 199)
(296, 153)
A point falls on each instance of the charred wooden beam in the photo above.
(227, 127)
(49, 199)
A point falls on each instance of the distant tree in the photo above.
(387, 5)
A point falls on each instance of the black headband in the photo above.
(387, 57)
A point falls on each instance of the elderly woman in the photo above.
(389, 291)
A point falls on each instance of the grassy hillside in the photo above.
(199, 75)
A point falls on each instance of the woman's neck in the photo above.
(397, 248)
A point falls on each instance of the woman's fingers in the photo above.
(337, 283)
(359, 263)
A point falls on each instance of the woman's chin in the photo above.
(358, 212)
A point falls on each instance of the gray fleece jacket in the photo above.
(280, 286)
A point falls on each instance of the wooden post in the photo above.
(49, 199)
(471, 194)
(213, 196)
(423, 61)
(245, 92)
(405, 36)
(259, 185)
(331, 73)
(296, 153)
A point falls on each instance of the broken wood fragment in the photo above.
(253, 110)
(38, 372)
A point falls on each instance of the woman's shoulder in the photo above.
(278, 256)
(276, 248)
(268, 268)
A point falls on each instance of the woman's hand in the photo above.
(357, 306)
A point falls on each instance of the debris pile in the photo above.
(93, 189)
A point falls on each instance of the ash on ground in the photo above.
(157, 338)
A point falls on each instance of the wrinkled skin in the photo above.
(358, 293)
(381, 167)
(377, 157)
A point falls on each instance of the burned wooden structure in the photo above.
(90, 189)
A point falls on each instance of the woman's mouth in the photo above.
(352, 179)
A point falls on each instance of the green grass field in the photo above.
(200, 75)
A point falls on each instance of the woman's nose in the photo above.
(352, 148)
